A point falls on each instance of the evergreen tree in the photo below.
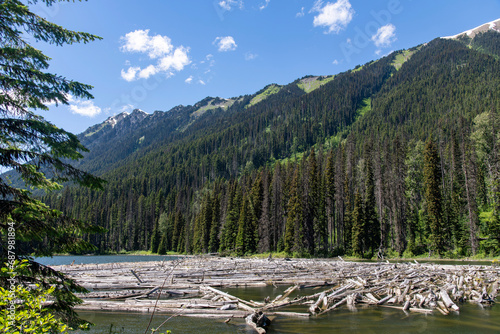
(176, 232)
(433, 198)
(358, 227)
(294, 237)
(469, 167)
(38, 151)
(277, 223)
(266, 230)
(330, 197)
(197, 240)
(155, 240)
(246, 242)
(399, 202)
(162, 247)
(213, 245)
(316, 207)
(206, 222)
(371, 223)
(414, 192)
(230, 229)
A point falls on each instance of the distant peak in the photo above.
(493, 25)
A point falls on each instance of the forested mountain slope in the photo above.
(320, 166)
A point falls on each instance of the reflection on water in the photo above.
(360, 319)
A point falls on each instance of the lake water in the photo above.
(86, 259)
(471, 319)
(361, 319)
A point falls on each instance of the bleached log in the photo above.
(442, 308)
(370, 296)
(290, 314)
(245, 307)
(447, 301)
(315, 307)
(340, 290)
(384, 300)
(343, 301)
(412, 309)
(209, 288)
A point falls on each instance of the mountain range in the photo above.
(184, 177)
(128, 133)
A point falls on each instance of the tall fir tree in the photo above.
(40, 153)
(230, 229)
(294, 238)
(371, 222)
(358, 231)
(330, 198)
(433, 197)
(244, 235)
(213, 244)
(277, 223)
(266, 230)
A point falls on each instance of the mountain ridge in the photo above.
(307, 84)
(471, 33)
(173, 169)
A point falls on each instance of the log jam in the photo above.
(321, 285)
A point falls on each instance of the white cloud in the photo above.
(84, 108)
(250, 56)
(301, 13)
(385, 36)
(335, 62)
(225, 43)
(201, 82)
(189, 80)
(127, 108)
(264, 5)
(169, 58)
(140, 41)
(230, 4)
(176, 60)
(334, 16)
(129, 74)
(147, 72)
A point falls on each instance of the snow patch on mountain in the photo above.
(493, 25)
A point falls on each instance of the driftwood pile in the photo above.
(190, 286)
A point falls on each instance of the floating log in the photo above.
(315, 307)
(447, 301)
(258, 321)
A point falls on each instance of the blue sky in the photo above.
(157, 54)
